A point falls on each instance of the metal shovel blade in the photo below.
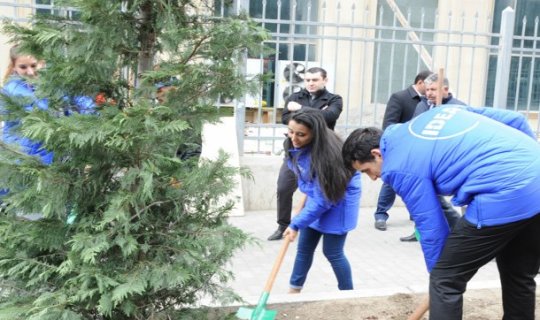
(256, 314)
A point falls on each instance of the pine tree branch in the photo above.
(43, 264)
(6, 285)
(15, 150)
(157, 203)
(194, 50)
(107, 50)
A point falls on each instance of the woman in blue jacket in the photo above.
(21, 72)
(331, 196)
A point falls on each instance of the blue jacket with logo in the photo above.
(488, 159)
(320, 213)
(18, 88)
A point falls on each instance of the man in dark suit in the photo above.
(399, 109)
(431, 88)
(314, 95)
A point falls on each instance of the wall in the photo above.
(465, 66)
(353, 61)
(260, 192)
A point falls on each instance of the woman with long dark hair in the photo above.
(331, 200)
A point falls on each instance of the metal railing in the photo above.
(370, 53)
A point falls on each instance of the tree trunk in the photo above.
(147, 39)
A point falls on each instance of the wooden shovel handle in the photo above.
(277, 265)
(440, 85)
(419, 312)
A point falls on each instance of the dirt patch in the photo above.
(484, 304)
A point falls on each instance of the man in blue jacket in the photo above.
(489, 160)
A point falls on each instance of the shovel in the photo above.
(419, 312)
(260, 313)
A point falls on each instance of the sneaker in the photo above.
(277, 235)
(380, 225)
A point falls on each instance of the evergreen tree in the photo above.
(129, 229)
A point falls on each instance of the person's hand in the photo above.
(294, 106)
(290, 234)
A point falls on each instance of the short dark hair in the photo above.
(422, 75)
(359, 144)
(317, 69)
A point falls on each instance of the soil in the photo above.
(483, 304)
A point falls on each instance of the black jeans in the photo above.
(516, 247)
(286, 186)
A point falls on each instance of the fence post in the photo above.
(504, 58)
(240, 104)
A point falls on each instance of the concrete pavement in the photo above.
(381, 264)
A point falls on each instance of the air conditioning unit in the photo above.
(290, 78)
(225, 100)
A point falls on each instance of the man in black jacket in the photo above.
(399, 109)
(314, 95)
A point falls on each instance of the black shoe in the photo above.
(380, 225)
(277, 235)
(410, 238)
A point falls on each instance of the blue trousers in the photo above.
(333, 244)
(386, 199)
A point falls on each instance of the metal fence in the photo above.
(370, 52)
(20, 10)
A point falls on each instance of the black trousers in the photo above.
(286, 186)
(516, 248)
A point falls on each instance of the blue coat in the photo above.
(488, 159)
(18, 88)
(318, 212)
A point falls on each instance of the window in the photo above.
(396, 64)
(522, 92)
(46, 7)
(278, 18)
(285, 20)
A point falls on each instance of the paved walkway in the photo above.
(381, 264)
